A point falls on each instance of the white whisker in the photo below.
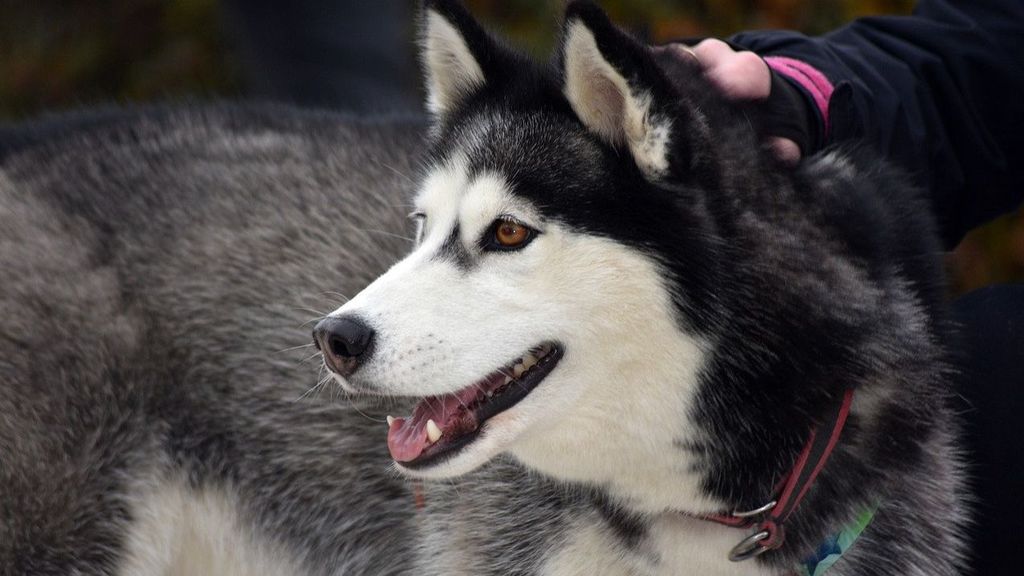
(338, 294)
(396, 171)
(318, 386)
(308, 322)
(299, 347)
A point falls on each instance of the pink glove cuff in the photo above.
(813, 81)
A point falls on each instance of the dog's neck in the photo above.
(643, 465)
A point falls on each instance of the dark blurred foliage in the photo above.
(57, 54)
(60, 54)
(534, 22)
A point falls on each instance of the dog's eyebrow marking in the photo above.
(453, 250)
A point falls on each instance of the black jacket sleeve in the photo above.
(940, 92)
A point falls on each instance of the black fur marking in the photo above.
(455, 251)
(627, 526)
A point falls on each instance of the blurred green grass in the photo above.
(57, 54)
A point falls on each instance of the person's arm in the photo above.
(941, 93)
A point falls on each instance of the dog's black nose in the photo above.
(346, 342)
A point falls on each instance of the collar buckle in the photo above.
(767, 535)
(755, 512)
(749, 547)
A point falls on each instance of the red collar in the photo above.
(770, 532)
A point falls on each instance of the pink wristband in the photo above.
(816, 84)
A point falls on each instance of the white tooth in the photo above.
(518, 370)
(391, 420)
(508, 379)
(529, 361)
(433, 432)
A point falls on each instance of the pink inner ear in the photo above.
(610, 107)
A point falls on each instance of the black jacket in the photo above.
(940, 92)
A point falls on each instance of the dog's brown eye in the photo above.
(506, 234)
(511, 234)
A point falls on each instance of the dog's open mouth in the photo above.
(442, 425)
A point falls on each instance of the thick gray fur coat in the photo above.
(160, 270)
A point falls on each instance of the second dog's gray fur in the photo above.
(159, 271)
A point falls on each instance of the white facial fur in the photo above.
(608, 106)
(614, 408)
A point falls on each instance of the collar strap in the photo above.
(770, 531)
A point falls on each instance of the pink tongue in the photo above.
(407, 437)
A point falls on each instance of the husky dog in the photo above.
(621, 321)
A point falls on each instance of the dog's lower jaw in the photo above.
(494, 437)
(610, 415)
(639, 480)
(626, 430)
(638, 462)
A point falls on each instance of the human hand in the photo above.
(740, 76)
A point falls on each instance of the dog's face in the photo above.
(542, 311)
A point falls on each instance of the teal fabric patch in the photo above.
(835, 545)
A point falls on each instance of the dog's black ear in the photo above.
(617, 90)
(459, 57)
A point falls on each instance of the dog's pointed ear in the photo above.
(616, 89)
(457, 55)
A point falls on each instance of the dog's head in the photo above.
(558, 298)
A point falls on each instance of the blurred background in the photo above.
(61, 54)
